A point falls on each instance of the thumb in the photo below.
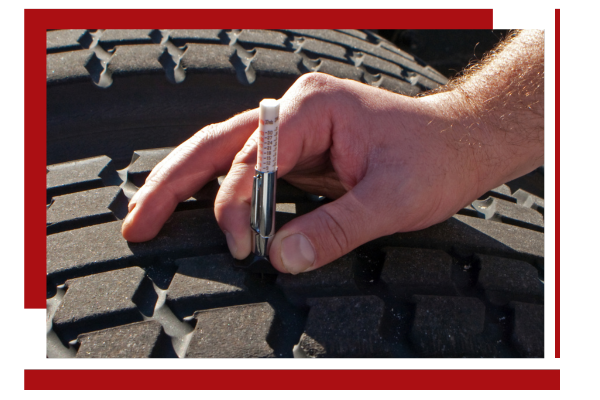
(327, 233)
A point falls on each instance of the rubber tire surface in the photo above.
(471, 286)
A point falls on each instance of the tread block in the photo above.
(398, 86)
(528, 331)
(144, 162)
(240, 331)
(424, 82)
(75, 210)
(289, 208)
(447, 326)
(469, 211)
(180, 37)
(473, 235)
(504, 280)
(385, 44)
(515, 213)
(384, 66)
(115, 37)
(137, 340)
(501, 192)
(99, 301)
(344, 327)
(208, 58)
(408, 62)
(532, 182)
(79, 175)
(63, 40)
(52, 304)
(526, 199)
(417, 271)
(502, 189)
(102, 247)
(353, 32)
(250, 38)
(339, 69)
(129, 60)
(206, 282)
(314, 48)
(333, 279)
(267, 62)
(67, 66)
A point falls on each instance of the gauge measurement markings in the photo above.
(269, 136)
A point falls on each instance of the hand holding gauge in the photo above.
(391, 163)
(264, 188)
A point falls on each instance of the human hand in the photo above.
(393, 163)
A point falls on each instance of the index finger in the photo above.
(203, 157)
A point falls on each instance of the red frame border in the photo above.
(36, 23)
(302, 379)
(557, 179)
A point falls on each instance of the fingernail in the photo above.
(133, 201)
(128, 217)
(131, 206)
(231, 244)
(297, 253)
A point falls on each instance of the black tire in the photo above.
(154, 88)
(471, 286)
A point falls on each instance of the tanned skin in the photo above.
(393, 163)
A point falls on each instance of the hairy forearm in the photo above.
(506, 93)
(494, 113)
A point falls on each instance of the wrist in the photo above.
(467, 142)
(492, 143)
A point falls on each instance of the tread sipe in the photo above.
(120, 100)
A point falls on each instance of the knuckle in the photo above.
(223, 204)
(154, 180)
(227, 191)
(333, 226)
(206, 134)
(247, 154)
(314, 79)
(312, 84)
